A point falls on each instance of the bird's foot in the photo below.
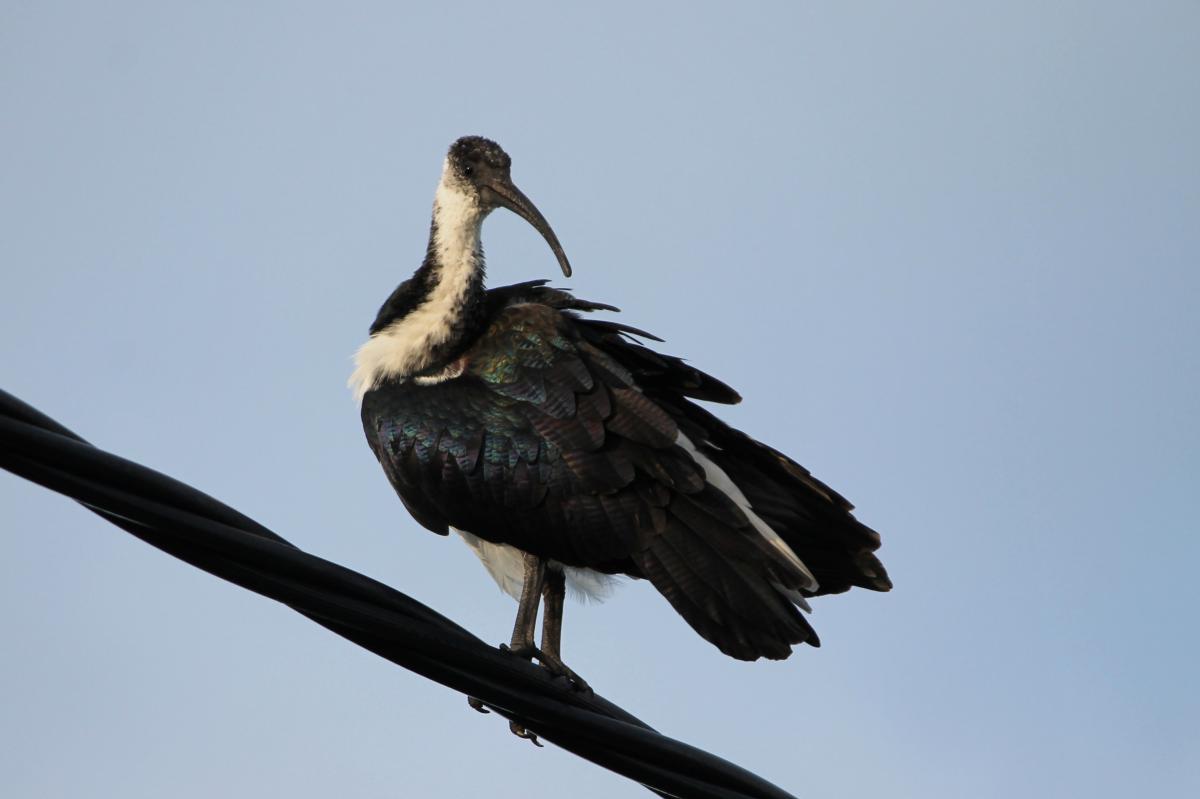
(555, 665)
(516, 728)
(519, 730)
(551, 663)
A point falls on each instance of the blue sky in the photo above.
(947, 252)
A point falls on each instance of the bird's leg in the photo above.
(554, 592)
(531, 594)
(539, 580)
(522, 637)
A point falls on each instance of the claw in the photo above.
(516, 728)
(520, 731)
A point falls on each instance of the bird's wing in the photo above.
(550, 444)
(812, 519)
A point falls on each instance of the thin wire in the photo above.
(194, 527)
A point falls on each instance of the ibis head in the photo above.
(482, 168)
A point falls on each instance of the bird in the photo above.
(565, 450)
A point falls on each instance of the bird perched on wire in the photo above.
(562, 449)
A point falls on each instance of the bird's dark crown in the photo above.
(472, 154)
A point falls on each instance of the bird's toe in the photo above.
(519, 730)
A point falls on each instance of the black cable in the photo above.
(208, 534)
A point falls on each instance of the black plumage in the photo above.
(528, 423)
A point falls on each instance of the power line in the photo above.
(194, 527)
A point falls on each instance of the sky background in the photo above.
(948, 252)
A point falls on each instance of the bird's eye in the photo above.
(468, 170)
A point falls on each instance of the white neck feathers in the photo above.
(404, 346)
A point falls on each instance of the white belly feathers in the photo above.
(506, 564)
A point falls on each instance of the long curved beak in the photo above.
(514, 200)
